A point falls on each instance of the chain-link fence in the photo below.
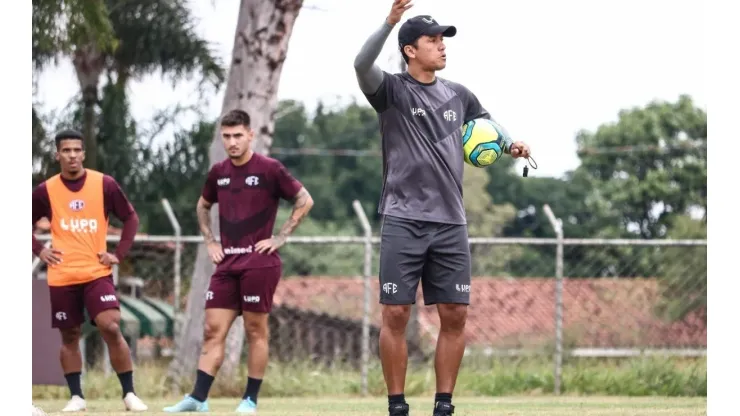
(582, 297)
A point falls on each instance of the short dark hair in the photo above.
(235, 118)
(69, 135)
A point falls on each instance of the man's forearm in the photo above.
(128, 234)
(506, 136)
(369, 75)
(204, 222)
(301, 206)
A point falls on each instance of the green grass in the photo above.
(472, 406)
(666, 377)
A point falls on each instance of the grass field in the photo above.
(472, 406)
(645, 377)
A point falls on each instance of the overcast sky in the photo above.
(544, 69)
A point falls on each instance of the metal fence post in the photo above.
(367, 271)
(557, 224)
(177, 265)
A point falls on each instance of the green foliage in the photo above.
(478, 377)
(42, 149)
(319, 259)
(60, 26)
(119, 39)
(684, 282)
(334, 181)
(177, 172)
(654, 166)
(485, 219)
(160, 36)
(118, 146)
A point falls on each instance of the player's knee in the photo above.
(213, 333)
(110, 330)
(452, 317)
(256, 330)
(71, 337)
(395, 317)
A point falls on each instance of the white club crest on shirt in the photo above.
(77, 205)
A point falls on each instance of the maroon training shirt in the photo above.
(248, 197)
(114, 201)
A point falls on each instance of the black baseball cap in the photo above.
(418, 26)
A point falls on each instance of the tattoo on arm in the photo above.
(203, 209)
(302, 203)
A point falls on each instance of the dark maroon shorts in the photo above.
(249, 290)
(68, 303)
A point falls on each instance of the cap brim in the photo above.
(446, 31)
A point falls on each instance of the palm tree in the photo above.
(128, 38)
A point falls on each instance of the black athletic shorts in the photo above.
(437, 254)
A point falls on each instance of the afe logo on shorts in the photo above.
(61, 316)
(390, 287)
(463, 288)
(77, 205)
(79, 225)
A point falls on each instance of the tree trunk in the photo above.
(88, 62)
(260, 47)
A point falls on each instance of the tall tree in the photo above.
(642, 171)
(649, 166)
(58, 26)
(260, 47)
(79, 29)
(125, 37)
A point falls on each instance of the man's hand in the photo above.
(107, 258)
(215, 252)
(519, 149)
(397, 10)
(51, 256)
(270, 245)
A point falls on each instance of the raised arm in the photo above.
(369, 74)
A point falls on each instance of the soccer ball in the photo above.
(483, 142)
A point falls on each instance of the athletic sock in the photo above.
(396, 399)
(203, 383)
(443, 397)
(127, 382)
(253, 389)
(73, 381)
